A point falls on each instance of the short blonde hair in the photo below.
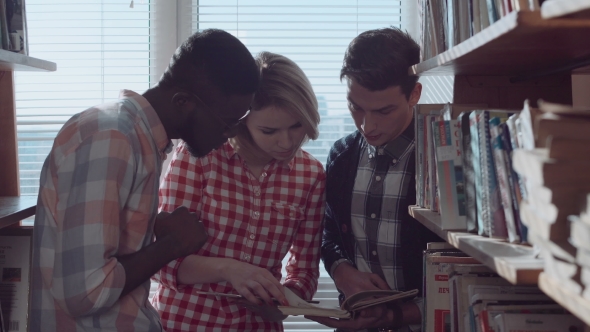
(284, 85)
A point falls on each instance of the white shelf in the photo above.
(571, 301)
(10, 61)
(513, 262)
(578, 9)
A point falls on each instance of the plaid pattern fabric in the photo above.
(97, 200)
(380, 187)
(254, 220)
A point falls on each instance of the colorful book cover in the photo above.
(419, 123)
(451, 185)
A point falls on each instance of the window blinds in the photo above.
(99, 47)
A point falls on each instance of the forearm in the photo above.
(196, 269)
(141, 265)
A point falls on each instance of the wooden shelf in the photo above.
(519, 44)
(10, 61)
(16, 208)
(571, 301)
(578, 9)
(515, 263)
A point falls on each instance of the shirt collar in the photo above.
(230, 153)
(396, 148)
(151, 119)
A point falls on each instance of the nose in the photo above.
(368, 124)
(285, 141)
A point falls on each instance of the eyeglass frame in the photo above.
(227, 126)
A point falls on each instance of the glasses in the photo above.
(227, 126)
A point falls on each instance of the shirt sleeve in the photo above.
(93, 184)
(303, 265)
(182, 186)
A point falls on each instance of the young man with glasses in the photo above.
(94, 248)
(370, 241)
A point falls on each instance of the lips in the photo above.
(372, 138)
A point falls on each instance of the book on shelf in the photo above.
(15, 265)
(538, 169)
(15, 30)
(503, 177)
(461, 276)
(352, 305)
(451, 192)
(530, 322)
(468, 173)
(438, 263)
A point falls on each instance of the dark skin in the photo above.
(180, 233)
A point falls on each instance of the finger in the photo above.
(260, 290)
(378, 282)
(248, 295)
(275, 289)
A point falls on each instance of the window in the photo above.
(102, 46)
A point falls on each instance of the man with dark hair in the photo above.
(94, 248)
(370, 241)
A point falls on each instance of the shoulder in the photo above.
(343, 146)
(310, 163)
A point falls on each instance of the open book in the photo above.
(352, 304)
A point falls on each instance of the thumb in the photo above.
(378, 282)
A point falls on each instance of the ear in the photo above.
(182, 101)
(415, 95)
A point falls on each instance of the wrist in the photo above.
(339, 271)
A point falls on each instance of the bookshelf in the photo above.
(13, 208)
(524, 55)
(515, 263)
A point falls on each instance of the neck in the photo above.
(156, 96)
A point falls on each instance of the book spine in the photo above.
(482, 222)
(468, 173)
(512, 178)
(432, 181)
(419, 121)
(449, 174)
(503, 181)
(492, 201)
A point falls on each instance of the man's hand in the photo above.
(183, 228)
(253, 282)
(378, 316)
(351, 281)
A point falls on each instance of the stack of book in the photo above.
(445, 24)
(554, 166)
(462, 295)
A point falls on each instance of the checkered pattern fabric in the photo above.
(254, 220)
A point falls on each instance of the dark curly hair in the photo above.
(215, 57)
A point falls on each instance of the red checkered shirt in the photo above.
(254, 220)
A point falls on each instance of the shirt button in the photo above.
(374, 253)
(263, 174)
(257, 193)
(378, 178)
(256, 214)
(247, 257)
(394, 160)
(371, 156)
(252, 236)
(373, 215)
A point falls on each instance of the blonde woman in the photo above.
(260, 197)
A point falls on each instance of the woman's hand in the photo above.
(255, 283)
